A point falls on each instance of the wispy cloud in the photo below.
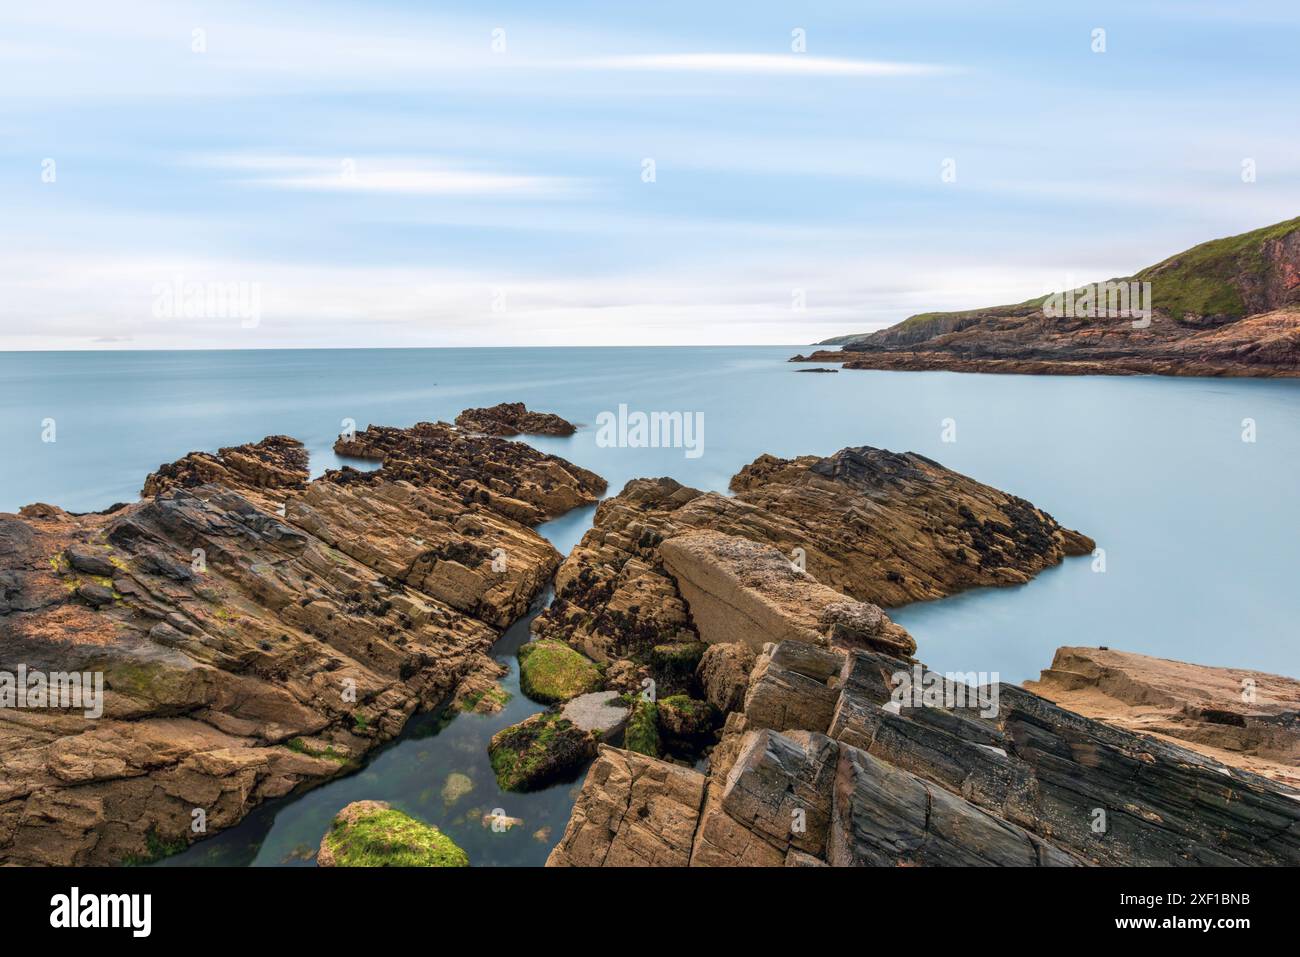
(796, 64)
(399, 175)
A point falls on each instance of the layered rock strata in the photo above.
(256, 633)
(824, 766)
(1246, 719)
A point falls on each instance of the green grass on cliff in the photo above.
(1199, 280)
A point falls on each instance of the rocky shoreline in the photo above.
(727, 661)
(816, 760)
(257, 632)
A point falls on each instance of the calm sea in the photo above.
(1201, 530)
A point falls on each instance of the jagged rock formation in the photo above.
(510, 478)
(1245, 719)
(870, 528)
(513, 418)
(256, 633)
(824, 766)
(1227, 307)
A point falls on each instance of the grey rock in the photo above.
(598, 712)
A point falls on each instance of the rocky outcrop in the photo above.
(512, 418)
(277, 462)
(744, 592)
(633, 811)
(372, 834)
(723, 674)
(540, 750)
(806, 546)
(552, 672)
(827, 765)
(1229, 307)
(256, 633)
(509, 478)
(1245, 719)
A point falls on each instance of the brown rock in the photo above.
(1245, 719)
(632, 811)
(260, 632)
(512, 418)
(723, 673)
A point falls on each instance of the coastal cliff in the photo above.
(1229, 307)
(257, 632)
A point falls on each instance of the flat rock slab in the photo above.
(598, 712)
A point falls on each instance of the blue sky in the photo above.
(381, 175)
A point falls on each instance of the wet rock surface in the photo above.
(257, 633)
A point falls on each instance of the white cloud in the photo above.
(87, 301)
(785, 64)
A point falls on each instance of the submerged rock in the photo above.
(456, 787)
(372, 834)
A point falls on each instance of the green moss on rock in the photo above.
(551, 672)
(539, 750)
(674, 663)
(685, 717)
(642, 734)
(372, 834)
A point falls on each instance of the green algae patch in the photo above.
(539, 750)
(642, 734)
(551, 672)
(372, 834)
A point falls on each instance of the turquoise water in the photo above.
(1201, 530)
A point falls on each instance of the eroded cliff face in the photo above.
(256, 632)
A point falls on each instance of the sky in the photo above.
(344, 174)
